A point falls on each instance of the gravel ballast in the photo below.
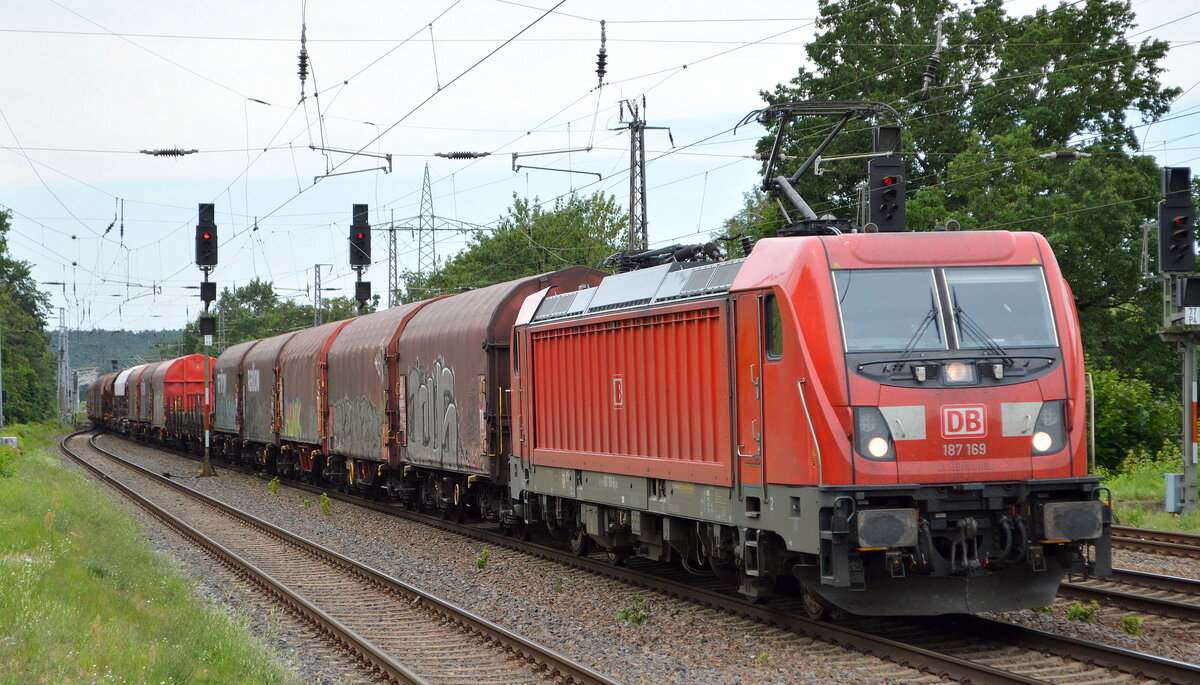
(566, 609)
(576, 613)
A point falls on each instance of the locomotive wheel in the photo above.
(580, 543)
(725, 571)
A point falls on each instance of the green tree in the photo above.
(530, 239)
(28, 361)
(1060, 73)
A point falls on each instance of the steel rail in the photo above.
(897, 651)
(1171, 608)
(551, 662)
(1126, 660)
(1156, 541)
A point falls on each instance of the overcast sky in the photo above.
(88, 85)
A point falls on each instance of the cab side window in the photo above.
(773, 325)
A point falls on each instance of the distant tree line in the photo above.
(255, 311)
(29, 366)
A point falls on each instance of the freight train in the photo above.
(883, 423)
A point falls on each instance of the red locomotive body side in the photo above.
(636, 395)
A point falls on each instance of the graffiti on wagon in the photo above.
(433, 415)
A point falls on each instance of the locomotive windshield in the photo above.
(1005, 306)
(889, 309)
(901, 310)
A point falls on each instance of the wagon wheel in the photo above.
(617, 556)
(814, 606)
(580, 543)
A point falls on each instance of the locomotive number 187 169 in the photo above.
(972, 449)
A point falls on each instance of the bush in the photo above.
(1133, 624)
(635, 613)
(1130, 416)
(8, 462)
(1084, 613)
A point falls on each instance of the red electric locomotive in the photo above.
(893, 421)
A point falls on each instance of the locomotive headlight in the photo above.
(959, 373)
(878, 447)
(1049, 432)
(1042, 441)
(872, 436)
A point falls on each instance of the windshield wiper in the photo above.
(977, 331)
(911, 345)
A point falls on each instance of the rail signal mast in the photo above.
(206, 259)
(1181, 307)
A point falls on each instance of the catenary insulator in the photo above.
(601, 57)
(931, 71)
(461, 154)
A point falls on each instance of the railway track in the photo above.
(1150, 593)
(395, 632)
(1156, 541)
(964, 648)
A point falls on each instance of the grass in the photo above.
(83, 597)
(1138, 491)
(1143, 484)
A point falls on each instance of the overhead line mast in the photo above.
(636, 125)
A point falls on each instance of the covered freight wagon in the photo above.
(364, 412)
(302, 396)
(227, 388)
(260, 399)
(177, 387)
(143, 411)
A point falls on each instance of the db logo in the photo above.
(964, 421)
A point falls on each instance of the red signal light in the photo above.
(360, 236)
(1180, 220)
(889, 180)
(208, 236)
